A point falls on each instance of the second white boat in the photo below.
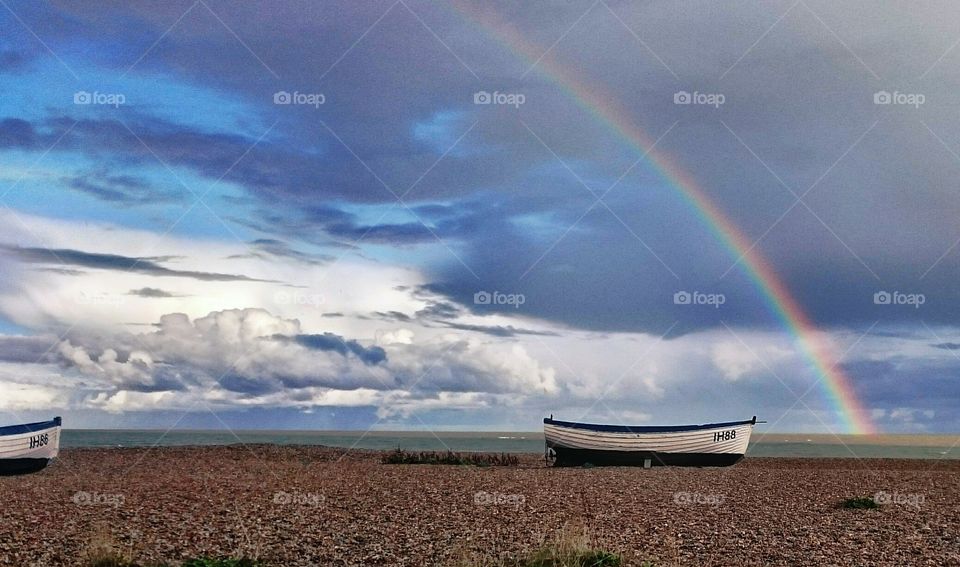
(711, 444)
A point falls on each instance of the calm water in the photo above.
(529, 442)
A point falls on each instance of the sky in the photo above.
(471, 215)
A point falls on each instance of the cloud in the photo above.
(62, 271)
(404, 233)
(393, 316)
(13, 60)
(336, 343)
(30, 350)
(41, 299)
(120, 189)
(734, 360)
(17, 133)
(498, 330)
(28, 397)
(256, 358)
(152, 292)
(439, 309)
(442, 313)
(271, 248)
(117, 262)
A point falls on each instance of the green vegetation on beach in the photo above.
(859, 503)
(111, 559)
(402, 457)
(572, 547)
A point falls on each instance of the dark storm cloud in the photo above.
(892, 384)
(393, 316)
(498, 330)
(144, 139)
(116, 262)
(62, 271)
(270, 172)
(17, 133)
(879, 219)
(13, 60)
(120, 189)
(602, 275)
(266, 248)
(442, 313)
(384, 233)
(439, 310)
(152, 292)
(318, 224)
(28, 350)
(162, 378)
(247, 385)
(336, 343)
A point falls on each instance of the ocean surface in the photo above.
(773, 445)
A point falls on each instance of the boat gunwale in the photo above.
(644, 428)
(30, 427)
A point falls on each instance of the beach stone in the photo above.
(324, 506)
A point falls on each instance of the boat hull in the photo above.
(30, 447)
(710, 445)
(10, 467)
(578, 457)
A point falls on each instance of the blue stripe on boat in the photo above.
(641, 428)
(29, 427)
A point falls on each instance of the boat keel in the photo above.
(566, 457)
(10, 467)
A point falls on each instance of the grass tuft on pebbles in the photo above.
(112, 559)
(859, 503)
(402, 457)
(221, 562)
(107, 559)
(553, 557)
(572, 548)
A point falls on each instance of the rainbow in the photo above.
(589, 96)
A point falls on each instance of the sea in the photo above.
(769, 445)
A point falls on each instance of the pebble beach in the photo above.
(325, 506)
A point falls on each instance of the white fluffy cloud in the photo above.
(251, 357)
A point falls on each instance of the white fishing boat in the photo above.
(29, 447)
(711, 444)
